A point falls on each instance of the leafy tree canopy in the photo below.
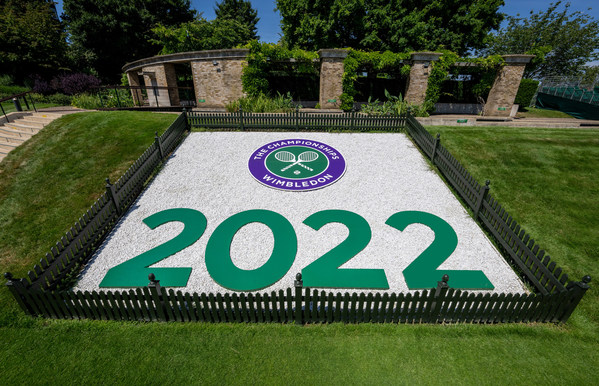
(241, 11)
(379, 25)
(105, 34)
(562, 40)
(199, 35)
(32, 40)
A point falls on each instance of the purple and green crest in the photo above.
(296, 165)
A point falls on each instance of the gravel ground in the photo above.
(385, 174)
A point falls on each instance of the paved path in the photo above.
(476, 120)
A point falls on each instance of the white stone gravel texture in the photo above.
(385, 174)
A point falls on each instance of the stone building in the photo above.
(217, 79)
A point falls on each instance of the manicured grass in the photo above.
(533, 112)
(50, 181)
(544, 178)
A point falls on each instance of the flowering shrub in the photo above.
(69, 84)
(73, 84)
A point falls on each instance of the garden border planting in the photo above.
(45, 291)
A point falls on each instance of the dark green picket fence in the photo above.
(301, 305)
(296, 121)
(41, 294)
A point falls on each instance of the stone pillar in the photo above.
(133, 79)
(418, 79)
(503, 93)
(331, 77)
(217, 77)
(161, 75)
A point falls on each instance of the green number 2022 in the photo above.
(322, 273)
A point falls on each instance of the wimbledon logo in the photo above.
(296, 165)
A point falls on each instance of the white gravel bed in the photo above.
(385, 174)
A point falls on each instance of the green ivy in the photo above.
(438, 75)
(440, 71)
(377, 61)
(254, 76)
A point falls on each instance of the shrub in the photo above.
(69, 84)
(394, 105)
(109, 99)
(41, 86)
(6, 80)
(6, 91)
(527, 89)
(263, 104)
(59, 99)
(73, 84)
(86, 101)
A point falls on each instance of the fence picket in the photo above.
(214, 308)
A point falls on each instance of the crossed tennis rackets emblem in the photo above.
(287, 156)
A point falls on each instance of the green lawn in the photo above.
(533, 112)
(545, 178)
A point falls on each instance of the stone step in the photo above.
(28, 123)
(6, 131)
(47, 115)
(4, 138)
(7, 146)
(24, 128)
(36, 118)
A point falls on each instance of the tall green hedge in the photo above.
(526, 91)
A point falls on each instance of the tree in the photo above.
(199, 35)
(106, 34)
(378, 25)
(32, 40)
(242, 12)
(562, 40)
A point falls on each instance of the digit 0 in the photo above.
(218, 252)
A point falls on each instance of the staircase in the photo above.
(14, 133)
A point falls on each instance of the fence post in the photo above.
(111, 191)
(481, 197)
(352, 119)
(118, 100)
(241, 119)
(299, 284)
(435, 146)
(187, 126)
(159, 145)
(156, 292)
(4, 112)
(440, 291)
(32, 103)
(577, 289)
(17, 288)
